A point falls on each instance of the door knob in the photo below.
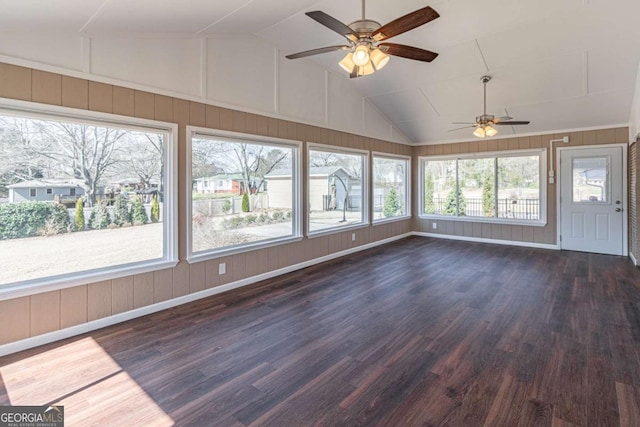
(618, 210)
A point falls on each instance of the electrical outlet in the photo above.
(353, 237)
(434, 225)
(222, 268)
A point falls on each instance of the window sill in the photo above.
(63, 281)
(392, 219)
(335, 230)
(219, 253)
(505, 221)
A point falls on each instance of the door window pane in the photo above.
(590, 183)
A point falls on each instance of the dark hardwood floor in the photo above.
(422, 332)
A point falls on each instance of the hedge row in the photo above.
(25, 219)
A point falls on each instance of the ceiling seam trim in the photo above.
(429, 102)
(481, 55)
(94, 16)
(217, 21)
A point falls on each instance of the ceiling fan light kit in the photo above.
(366, 52)
(485, 123)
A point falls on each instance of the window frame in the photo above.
(407, 183)
(32, 110)
(296, 209)
(365, 215)
(540, 152)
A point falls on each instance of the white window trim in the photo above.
(296, 211)
(365, 215)
(170, 220)
(407, 196)
(541, 152)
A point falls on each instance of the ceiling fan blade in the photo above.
(405, 23)
(333, 24)
(408, 52)
(316, 51)
(515, 122)
(501, 119)
(463, 123)
(464, 127)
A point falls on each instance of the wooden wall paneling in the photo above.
(226, 119)
(162, 285)
(15, 318)
(576, 138)
(622, 135)
(273, 127)
(605, 136)
(516, 233)
(483, 145)
(123, 101)
(496, 231)
(492, 145)
(588, 137)
(446, 149)
(212, 279)
(15, 82)
(283, 129)
(73, 306)
(239, 270)
(75, 93)
(505, 232)
(251, 123)
(455, 148)
(122, 295)
(477, 229)
(99, 298)
(458, 228)
(45, 313)
(512, 144)
(46, 87)
(228, 276)
(142, 290)
(468, 229)
(273, 258)
(100, 97)
(181, 279)
(212, 117)
(239, 122)
(197, 277)
(163, 108)
(197, 114)
(527, 234)
(486, 230)
(262, 125)
(523, 143)
(143, 104)
(449, 228)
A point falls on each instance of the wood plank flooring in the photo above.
(422, 332)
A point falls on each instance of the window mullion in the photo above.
(495, 187)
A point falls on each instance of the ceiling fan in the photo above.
(485, 123)
(366, 52)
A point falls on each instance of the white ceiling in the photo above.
(562, 64)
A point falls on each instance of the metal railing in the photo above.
(507, 208)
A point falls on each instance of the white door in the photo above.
(592, 200)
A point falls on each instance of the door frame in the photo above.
(625, 195)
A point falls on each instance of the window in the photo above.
(390, 187)
(109, 233)
(245, 192)
(492, 187)
(590, 179)
(337, 182)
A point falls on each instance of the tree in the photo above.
(245, 202)
(99, 217)
(138, 213)
(429, 206)
(488, 194)
(455, 198)
(155, 209)
(78, 215)
(391, 204)
(121, 214)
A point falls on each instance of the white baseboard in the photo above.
(143, 311)
(633, 258)
(483, 240)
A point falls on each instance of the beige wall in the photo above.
(38, 314)
(539, 235)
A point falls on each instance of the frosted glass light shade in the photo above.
(379, 58)
(479, 132)
(361, 55)
(347, 63)
(366, 69)
(490, 131)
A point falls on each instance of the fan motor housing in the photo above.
(364, 27)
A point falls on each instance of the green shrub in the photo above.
(138, 213)
(121, 214)
(488, 195)
(226, 206)
(429, 206)
(263, 218)
(450, 207)
(245, 202)
(99, 218)
(391, 204)
(27, 219)
(78, 215)
(155, 209)
(278, 216)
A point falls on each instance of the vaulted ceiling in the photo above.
(562, 65)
